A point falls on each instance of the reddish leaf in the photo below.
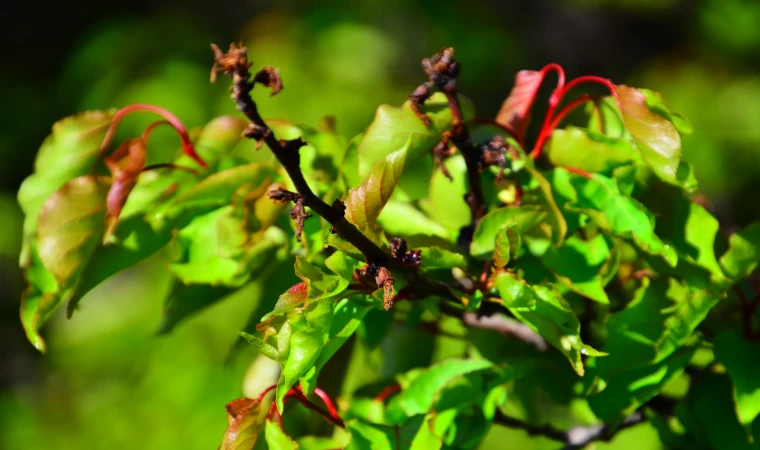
(70, 226)
(125, 165)
(655, 136)
(515, 111)
(242, 424)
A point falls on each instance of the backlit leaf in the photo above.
(242, 424)
(515, 111)
(655, 136)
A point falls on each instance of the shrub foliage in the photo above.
(471, 269)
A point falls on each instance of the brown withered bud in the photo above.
(256, 132)
(236, 59)
(417, 98)
(299, 215)
(282, 195)
(441, 151)
(400, 251)
(443, 70)
(269, 77)
(398, 247)
(495, 154)
(386, 281)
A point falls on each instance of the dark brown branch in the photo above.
(235, 64)
(443, 69)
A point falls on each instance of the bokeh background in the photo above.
(107, 380)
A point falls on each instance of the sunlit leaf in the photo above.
(578, 264)
(743, 254)
(242, 424)
(69, 151)
(71, 225)
(419, 396)
(600, 198)
(523, 218)
(590, 151)
(655, 136)
(276, 438)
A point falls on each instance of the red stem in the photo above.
(577, 171)
(556, 98)
(387, 392)
(187, 145)
(264, 393)
(150, 128)
(327, 401)
(547, 129)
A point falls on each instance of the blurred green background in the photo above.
(107, 380)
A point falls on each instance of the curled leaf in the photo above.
(242, 424)
(515, 111)
(125, 165)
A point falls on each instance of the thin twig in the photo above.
(443, 69)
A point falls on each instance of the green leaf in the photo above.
(70, 227)
(403, 219)
(266, 349)
(741, 358)
(419, 396)
(136, 241)
(310, 332)
(365, 202)
(69, 152)
(658, 321)
(347, 317)
(743, 254)
(545, 198)
(368, 436)
(446, 204)
(523, 218)
(242, 424)
(578, 265)
(691, 230)
(217, 249)
(439, 258)
(590, 151)
(657, 104)
(508, 244)
(276, 438)
(628, 390)
(434, 428)
(215, 191)
(549, 315)
(514, 292)
(655, 136)
(600, 198)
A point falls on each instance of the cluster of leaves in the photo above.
(596, 279)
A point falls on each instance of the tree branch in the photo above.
(443, 69)
(235, 64)
(577, 437)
